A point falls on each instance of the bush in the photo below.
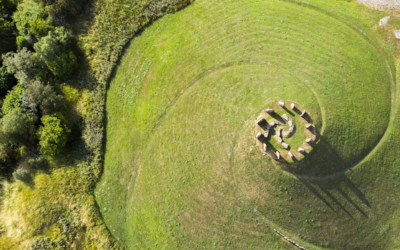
(22, 175)
(12, 100)
(53, 135)
(17, 126)
(38, 163)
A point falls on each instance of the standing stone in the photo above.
(285, 145)
(258, 136)
(261, 121)
(302, 151)
(291, 155)
(291, 122)
(279, 139)
(384, 20)
(303, 113)
(284, 116)
(397, 34)
(265, 147)
(282, 104)
(273, 123)
(291, 129)
(309, 140)
(278, 155)
(269, 111)
(292, 106)
(308, 126)
(266, 134)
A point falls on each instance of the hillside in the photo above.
(182, 169)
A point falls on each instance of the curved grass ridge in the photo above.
(180, 167)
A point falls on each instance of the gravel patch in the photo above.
(381, 4)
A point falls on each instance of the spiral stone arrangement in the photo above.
(276, 132)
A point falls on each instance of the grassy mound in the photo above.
(181, 167)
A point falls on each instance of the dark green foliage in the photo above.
(7, 160)
(7, 81)
(22, 175)
(20, 64)
(48, 244)
(53, 50)
(41, 96)
(61, 9)
(17, 126)
(38, 163)
(7, 27)
(53, 135)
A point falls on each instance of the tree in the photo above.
(17, 126)
(7, 27)
(7, 81)
(53, 50)
(27, 12)
(20, 64)
(12, 99)
(43, 96)
(53, 135)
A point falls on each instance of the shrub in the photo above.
(22, 175)
(38, 163)
(17, 126)
(12, 100)
(53, 135)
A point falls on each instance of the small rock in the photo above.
(309, 140)
(271, 124)
(291, 155)
(282, 104)
(384, 20)
(266, 134)
(290, 129)
(302, 151)
(269, 111)
(279, 139)
(284, 116)
(292, 106)
(291, 122)
(285, 145)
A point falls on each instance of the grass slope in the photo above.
(181, 167)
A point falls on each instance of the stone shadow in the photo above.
(330, 190)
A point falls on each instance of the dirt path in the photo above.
(382, 4)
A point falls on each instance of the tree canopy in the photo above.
(53, 135)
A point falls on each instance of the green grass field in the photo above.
(182, 170)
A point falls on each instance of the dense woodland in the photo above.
(56, 59)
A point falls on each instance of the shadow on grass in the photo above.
(313, 172)
(330, 190)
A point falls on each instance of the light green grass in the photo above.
(181, 168)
